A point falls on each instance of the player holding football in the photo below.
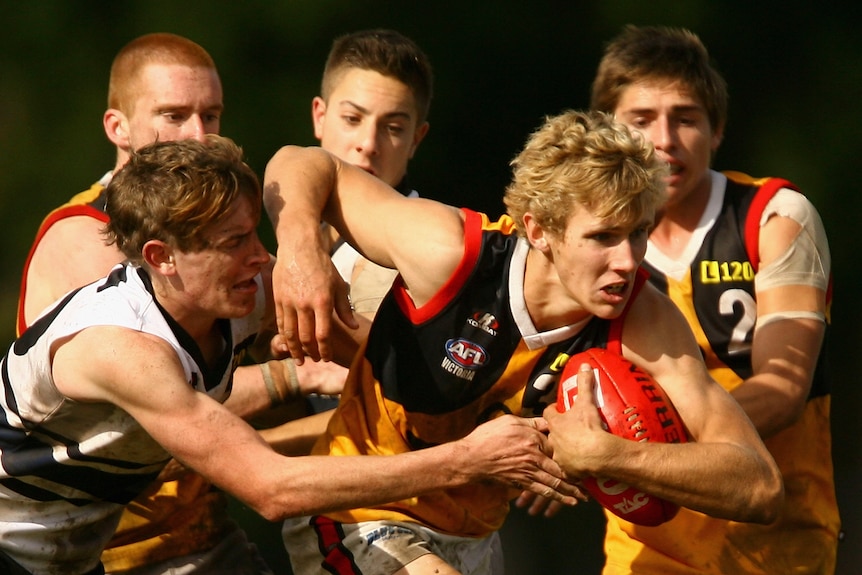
(133, 369)
(761, 330)
(480, 324)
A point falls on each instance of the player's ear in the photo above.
(318, 113)
(418, 136)
(159, 256)
(535, 233)
(116, 126)
(717, 138)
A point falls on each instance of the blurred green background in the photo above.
(794, 70)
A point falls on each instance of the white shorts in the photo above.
(319, 546)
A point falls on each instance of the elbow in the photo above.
(276, 507)
(767, 500)
(280, 506)
(273, 511)
(266, 507)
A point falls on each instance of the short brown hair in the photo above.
(386, 52)
(157, 48)
(175, 192)
(587, 158)
(653, 52)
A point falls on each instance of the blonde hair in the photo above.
(157, 48)
(586, 158)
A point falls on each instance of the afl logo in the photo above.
(466, 353)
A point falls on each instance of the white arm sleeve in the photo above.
(807, 261)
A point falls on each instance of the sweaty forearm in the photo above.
(508, 450)
(705, 477)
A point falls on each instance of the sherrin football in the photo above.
(634, 406)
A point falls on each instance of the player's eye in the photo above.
(395, 129)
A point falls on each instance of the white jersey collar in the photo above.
(678, 267)
(532, 337)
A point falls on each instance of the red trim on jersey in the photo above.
(752, 221)
(472, 244)
(615, 334)
(752, 224)
(60, 213)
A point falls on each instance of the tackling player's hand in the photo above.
(514, 451)
(538, 505)
(307, 288)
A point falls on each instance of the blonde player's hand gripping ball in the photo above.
(633, 406)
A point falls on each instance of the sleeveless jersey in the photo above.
(432, 374)
(90, 203)
(717, 297)
(171, 518)
(68, 468)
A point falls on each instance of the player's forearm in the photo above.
(772, 403)
(297, 185)
(507, 450)
(784, 357)
(259, 387)
(723, 480)
(319, 484)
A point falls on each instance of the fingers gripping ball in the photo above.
(634, 406)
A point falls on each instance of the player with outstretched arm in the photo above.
(129, 371)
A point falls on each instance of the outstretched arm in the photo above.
(205, 436)
(420, 238)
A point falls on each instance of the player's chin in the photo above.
(238, 307)
(609, 310)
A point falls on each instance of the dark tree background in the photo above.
(793, 69)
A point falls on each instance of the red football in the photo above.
(634, 406)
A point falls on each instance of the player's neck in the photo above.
(548, 302)
(677, 221)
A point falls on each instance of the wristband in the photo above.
(277, 395)
(293, 379)
(274, 397)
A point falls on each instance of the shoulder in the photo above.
(72, 224)
(654, 326)
(790, 203)
(85, 376)
(786, 213)
(651, 304)
(82, 208)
